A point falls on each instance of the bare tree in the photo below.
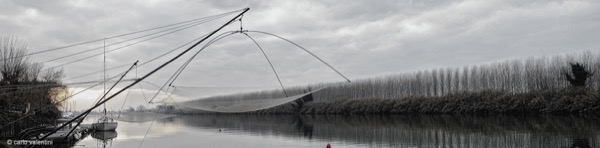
(20, 85)
(13, 63)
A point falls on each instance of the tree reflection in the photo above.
(415, 130)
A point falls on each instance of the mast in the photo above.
(104, 75)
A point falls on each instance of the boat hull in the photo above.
(108, 126)
(104, 135)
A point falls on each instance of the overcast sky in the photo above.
(359, 38)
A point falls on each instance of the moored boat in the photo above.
(105, 124)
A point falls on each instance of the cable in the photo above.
(148, 130)
(96, 72)
(331, 67)
(123, 105)
(104, 95)
(127, 96)
(141, 89)
(270, 64)
(245, 10)
(88, 57)
(178, 28)
(143, 63)
(148, 74)
(57, 85)
(134, 64)
(223, 35)
(116, 36)
(180, 69)
(169, 96)
(188, 26)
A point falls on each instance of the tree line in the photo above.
(511, 76)
(514, 76)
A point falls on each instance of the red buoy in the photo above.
(328, 145)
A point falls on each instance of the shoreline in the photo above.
(564, 101)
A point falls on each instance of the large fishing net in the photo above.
(246, 102)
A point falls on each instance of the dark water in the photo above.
(502, 131)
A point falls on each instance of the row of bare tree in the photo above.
(519, 75)
(513, 76)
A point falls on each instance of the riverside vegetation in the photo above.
(558, 84)
(29, 94)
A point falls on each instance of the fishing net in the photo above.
(139, 116)
(246, 102)
(184, 93)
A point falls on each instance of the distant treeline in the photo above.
(532, 74)
(522, 78)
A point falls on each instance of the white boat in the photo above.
(105, 124)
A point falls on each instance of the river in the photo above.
(276, 131)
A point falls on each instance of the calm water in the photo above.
(278, 131)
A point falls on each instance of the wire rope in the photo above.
(143, 63)
(307, 51)
(270, 64)
(116, 36)
(88, 57)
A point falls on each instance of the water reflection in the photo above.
(412, 130)
(104, 138)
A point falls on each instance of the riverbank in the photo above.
(483, 102)
(564, 101)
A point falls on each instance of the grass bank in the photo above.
(565, 101)
(483, 102)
